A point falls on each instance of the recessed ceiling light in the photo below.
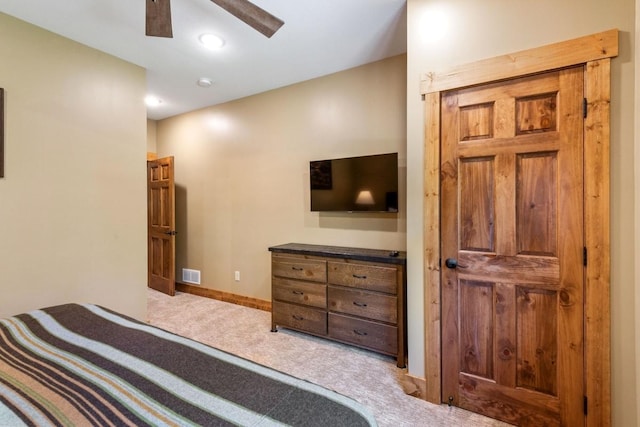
(211, 41)
(204, 82)
(152, 101)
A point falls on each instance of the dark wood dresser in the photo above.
(352, 295)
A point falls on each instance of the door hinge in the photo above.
(584, 108)
(584, 256)
(585, 405)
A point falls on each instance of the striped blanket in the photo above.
(85, 365)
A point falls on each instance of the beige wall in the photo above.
(485, 29)
(152, 130)
(72, 203)
(636, 276)
(242, 172)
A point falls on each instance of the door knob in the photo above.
(171, 233)
(453, 263)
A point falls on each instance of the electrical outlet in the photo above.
(237, 276)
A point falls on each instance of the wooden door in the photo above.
(512, 249)
(161, 225)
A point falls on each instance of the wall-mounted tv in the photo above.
(355, 184)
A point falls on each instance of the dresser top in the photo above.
(372, 255)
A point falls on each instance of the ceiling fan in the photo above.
(158, 17)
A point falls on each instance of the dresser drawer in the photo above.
(299, 268)
(364, 276)
(376, 336)
(363, 304)
(306, 293)
(352, 295)
(297, 317)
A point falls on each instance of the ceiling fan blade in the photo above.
(252, 15)
(158, 18)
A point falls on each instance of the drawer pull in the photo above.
(297, 268)
(359, 276)
(361, 333)
(359, 304)
(298, 292)
(295, 316)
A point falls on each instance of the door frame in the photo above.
(594, 52)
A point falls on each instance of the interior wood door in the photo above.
(512, 249)
(161, 225)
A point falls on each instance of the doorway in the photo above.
(591, 54)
(161, 225)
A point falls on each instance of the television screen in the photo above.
(355, 184)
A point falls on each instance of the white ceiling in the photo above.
(319, 37)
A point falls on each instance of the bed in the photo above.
(82, 364)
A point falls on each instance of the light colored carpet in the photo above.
(370, 378)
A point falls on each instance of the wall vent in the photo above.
(191, 276)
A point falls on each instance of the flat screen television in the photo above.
(355, 184)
